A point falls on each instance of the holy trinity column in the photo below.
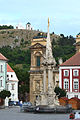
(49, 63)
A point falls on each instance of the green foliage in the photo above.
(6, 27)
(63, 47)
(11, 32)
(16, 55)
(16, 40)
(4, 94)
(22, 40)
(60, 92)
(2, 32)
(22, 43)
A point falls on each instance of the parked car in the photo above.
(27, 107)
(27, 103)
(11, 103)
(14, 103)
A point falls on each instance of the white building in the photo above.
(28, 26)
(12, 83)
(3, 73)
(19, 26)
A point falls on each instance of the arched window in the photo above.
(38, 56)
(38, 61)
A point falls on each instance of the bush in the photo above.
(60, 92)
(4, 94)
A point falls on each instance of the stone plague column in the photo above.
(48, 65)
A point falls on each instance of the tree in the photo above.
(60, 92)
(6, 27)
(4, 94)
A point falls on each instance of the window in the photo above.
(1, 83)
(28, 25)
(76, 84)
(66, 84)
(76, 96)
(7, 75)
(7, 86)
(66, 73)
(1, 68)
(13, 86)
(38, 61)
(11, 75)
(75, 72)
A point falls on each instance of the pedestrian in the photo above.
(77, 115)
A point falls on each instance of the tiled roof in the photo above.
(2, 57)
(73, 61)
(75, 98)
(9, 69)
(64, 98)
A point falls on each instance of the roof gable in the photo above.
(37, 45)
(9, 69)
(3, 58)
(73, 61)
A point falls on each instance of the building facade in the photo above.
(36, 70)
(8, 79)
(69, 76)
(12, 84)
(77, 44)
(28, 26)
(3, 72)
(19, 26)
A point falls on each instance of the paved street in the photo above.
(15, 114)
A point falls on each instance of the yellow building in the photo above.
(77, 43)
(38, 49)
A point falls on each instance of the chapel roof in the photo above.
(28, 23)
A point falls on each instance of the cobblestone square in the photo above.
(15, 114)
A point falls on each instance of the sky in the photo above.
(64, 14)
